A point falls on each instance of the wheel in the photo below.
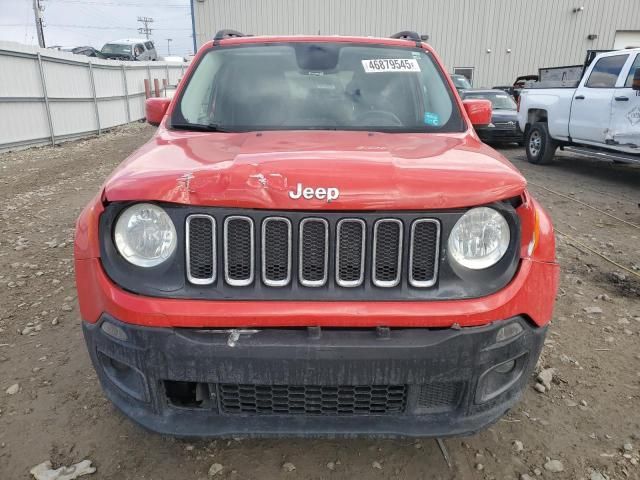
(540, 147)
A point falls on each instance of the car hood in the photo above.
(504, 116)
(370, 170)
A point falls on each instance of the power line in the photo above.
(92, 27)
(121, 4)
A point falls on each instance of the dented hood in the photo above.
(370, 170)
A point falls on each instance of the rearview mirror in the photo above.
(479, 111)
(636, 80)
(155, 109)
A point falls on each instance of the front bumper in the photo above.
(497, 135)
(312, 381)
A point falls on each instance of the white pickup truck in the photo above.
(601, 117)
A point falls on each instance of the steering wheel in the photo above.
(378, 115)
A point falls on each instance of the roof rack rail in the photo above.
(409, 35)
(227, 33)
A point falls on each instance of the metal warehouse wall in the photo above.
(540, 33)
(48, 96)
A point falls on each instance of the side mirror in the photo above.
(636, 80)
(479, 111)
(155, 109)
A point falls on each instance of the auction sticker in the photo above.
(391, 65)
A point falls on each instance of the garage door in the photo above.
(627, 39)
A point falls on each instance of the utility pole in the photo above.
(145, 30)
(37, 12)
(169, 40)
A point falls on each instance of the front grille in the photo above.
(312, 399)
(345, 252)
(504, 124)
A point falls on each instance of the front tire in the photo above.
(540, 147)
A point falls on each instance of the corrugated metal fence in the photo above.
(48, 96)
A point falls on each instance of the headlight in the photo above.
(479, 239)
(145, 235)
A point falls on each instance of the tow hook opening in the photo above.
(126, 377)
(500, 378)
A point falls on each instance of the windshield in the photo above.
(117, 48)
(318, 86)
(460, 81)
(499, 101)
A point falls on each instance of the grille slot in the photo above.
(350, 252)
(387, 252)
(439, 395)
(312, 399)
(239, 251)
(423, 254)
(314, 252)
(276, 251)
(200, 231)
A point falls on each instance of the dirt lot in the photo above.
(587, 419)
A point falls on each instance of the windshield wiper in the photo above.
(199, 127)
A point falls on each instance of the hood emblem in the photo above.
(308, 193)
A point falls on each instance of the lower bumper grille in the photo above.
(312, 399)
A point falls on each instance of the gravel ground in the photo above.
(52, 408)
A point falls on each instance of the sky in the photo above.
(95, 22)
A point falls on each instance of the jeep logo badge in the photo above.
(329, 194)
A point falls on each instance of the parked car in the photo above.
(84, 50)
(503, 127)
(599, 118)
(505, 88)
(522, 82)
(460, 81)
(295, 255)
(130, 49)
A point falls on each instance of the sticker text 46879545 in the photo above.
(391, 65)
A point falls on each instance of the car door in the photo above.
(151, 52)
(139, 52)
(625, 118)
(591, 104)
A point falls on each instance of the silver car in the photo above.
(130, 49)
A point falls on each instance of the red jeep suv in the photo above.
(315, 242)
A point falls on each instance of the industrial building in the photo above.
(491, 41)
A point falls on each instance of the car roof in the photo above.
(484, 90)
(130, 41)
(619, 52)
